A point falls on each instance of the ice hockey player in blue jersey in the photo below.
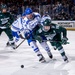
(17, 28)
(32, 22)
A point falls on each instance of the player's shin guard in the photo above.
(62, 52)
(46, 47)
(36, 50)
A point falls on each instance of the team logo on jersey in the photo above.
(4, 20)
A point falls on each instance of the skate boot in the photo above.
(41, 58)
(13, 45)
(50, 55)
(8, 44)
(66, 59)
(54, 47)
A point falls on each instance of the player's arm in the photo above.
(63, 30)
(64, 37)
(10, 21)
(60, 29)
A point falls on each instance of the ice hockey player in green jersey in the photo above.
(6, 20)
(53, 32)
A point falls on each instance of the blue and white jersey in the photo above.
(17, 25)
(31, 24)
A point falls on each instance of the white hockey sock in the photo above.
(64, 57)
(34, 46)
(62, 52)
(38, 52)
(45, 46)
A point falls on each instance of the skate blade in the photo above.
(43, 61)
(67, 61)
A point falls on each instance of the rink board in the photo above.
(69, 25)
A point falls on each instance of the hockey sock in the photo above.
(34, 46)
(36, 50)
(62, 52)
(45, 46)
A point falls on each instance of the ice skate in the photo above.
(41, 58)
(54, 47)
(66, 59)
(8, 44)
(50, 55)
(11, 45)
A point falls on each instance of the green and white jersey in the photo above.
(6, 20)
(54, 29)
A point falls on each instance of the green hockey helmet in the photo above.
(47, 22)
(46, 25)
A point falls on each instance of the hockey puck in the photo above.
(22, 66)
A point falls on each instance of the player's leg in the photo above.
(62, 52)
(9, 34)
(15, 36)
(60, 49)
(36, 50)
(46, 47)
(44, 44)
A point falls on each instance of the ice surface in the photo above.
(11, 60)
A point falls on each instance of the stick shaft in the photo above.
(19, 44)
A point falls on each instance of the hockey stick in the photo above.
(43, 40)
(61, 42)
(19, 44)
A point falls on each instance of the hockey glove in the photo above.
(27, 34)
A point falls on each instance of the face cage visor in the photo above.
(46, 28)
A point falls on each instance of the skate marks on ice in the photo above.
(3, 57)
(48, 68)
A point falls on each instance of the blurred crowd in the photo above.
(57, 9)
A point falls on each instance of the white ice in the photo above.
(11, 60)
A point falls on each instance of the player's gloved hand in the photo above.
(27, 34)
(64, 40)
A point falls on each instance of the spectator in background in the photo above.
(54, 8)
